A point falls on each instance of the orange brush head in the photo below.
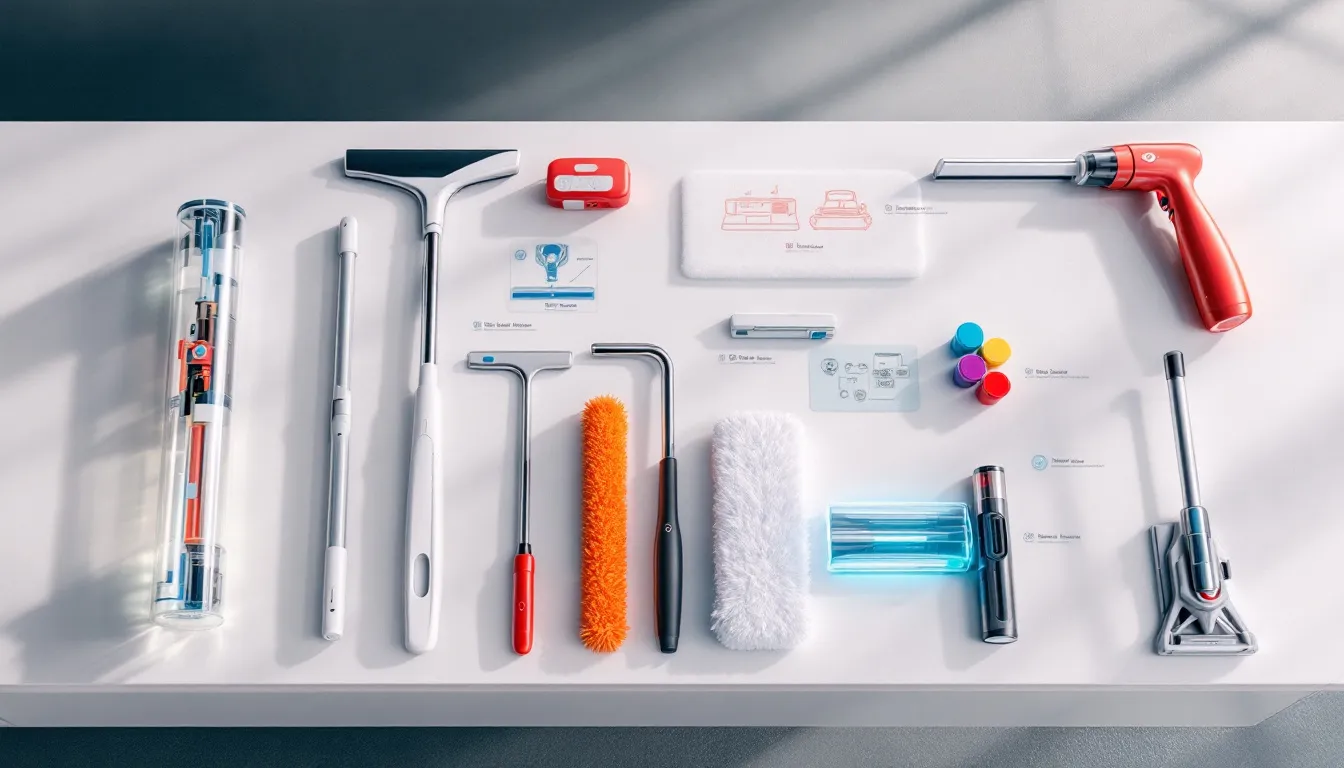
(602, 624)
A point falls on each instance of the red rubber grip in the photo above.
(524, 569)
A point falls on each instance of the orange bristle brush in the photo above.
(602, 624)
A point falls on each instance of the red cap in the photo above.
(993, 387)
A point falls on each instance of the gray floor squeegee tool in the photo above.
(1197, 615)
(433, 176)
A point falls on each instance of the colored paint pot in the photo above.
(993, 388)
(970, 369)
(967, 339)
(996, 352)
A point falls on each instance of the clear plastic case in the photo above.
(900, 537)
(189, 571)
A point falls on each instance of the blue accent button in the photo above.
(818, 334)
(488, 359)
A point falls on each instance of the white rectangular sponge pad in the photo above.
(760, 538)
(811, 225)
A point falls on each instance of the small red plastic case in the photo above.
(578, 183)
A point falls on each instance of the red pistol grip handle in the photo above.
(1215, 279)
(1169, 170)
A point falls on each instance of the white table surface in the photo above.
(1075, 279)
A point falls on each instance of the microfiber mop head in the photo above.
(602, 624)
(760, 542)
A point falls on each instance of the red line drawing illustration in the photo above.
(760, 214)
(841, 210)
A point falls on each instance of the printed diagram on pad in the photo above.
(553, 277)
(864, 378)
(889, 371)
(841, 210)
(760, 214)
(878, 381)
(785, 225)
(853, 386)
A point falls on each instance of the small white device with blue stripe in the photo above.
(782, 326)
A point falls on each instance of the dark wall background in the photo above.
(678, 60)
(671, 60)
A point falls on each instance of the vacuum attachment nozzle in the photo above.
(1197, 617)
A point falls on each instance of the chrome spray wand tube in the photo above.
(1195, 530)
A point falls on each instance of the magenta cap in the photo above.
(969, 371)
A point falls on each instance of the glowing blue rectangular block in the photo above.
(899, 537)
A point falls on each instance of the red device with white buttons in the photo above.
(586, 183)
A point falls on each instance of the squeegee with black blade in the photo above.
(432, 175)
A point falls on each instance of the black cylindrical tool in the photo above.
(998, 612)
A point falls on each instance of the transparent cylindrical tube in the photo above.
(189, 570)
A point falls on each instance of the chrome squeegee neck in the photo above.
(429, 347)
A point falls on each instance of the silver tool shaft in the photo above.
(1006, 170)
(665, 362)
(333, 570)
(525, 365)
(525, 468)
(1180, 418)
(429, 349)
(340, 394)
(1195, 527)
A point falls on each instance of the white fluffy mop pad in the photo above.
(760, 540)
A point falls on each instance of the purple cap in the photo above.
(969, 371)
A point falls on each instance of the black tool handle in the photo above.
(998, 608)
(667, 558)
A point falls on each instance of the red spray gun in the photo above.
(1169, 171)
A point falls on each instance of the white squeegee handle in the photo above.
(424, 486)
(424, 569)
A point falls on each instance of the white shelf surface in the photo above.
(1078, 280)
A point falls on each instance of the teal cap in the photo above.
(967, 339)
